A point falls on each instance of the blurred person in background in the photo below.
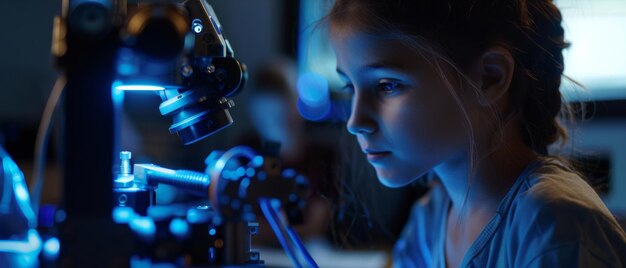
(275, 120)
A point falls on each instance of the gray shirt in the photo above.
(550, 217)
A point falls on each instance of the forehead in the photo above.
(357, 49)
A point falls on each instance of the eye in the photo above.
(387, 86)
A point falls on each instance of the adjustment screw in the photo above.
(210, 69)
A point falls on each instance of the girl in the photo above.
(469, 90)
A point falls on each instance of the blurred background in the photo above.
(292, 96)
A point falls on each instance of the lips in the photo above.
(376, 155)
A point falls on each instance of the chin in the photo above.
(397, 180)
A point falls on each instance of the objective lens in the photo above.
(196, 116)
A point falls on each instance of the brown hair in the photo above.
(459, 31)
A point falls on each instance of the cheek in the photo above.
(426, 129)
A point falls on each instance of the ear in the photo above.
(494, 72)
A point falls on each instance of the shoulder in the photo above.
(554, 194)
(556, 210)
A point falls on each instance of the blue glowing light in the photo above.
(127, 69)
(275, 203)
(197, 26)
(197, 216)
(51, 248)
(212, 231)
(289, 173)
(301, 179)
(243, 188)
(139, 87)
(313, 97)
(118, 96)
(257, 161)
(250, 172)
(122, 214)
(314, 113)
(13, 175)
(21, 193)
(241, 171)
(30, 246)
(179, 228)
(313, 89)
(60, 216)
(143, 226)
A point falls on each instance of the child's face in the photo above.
(405, 118)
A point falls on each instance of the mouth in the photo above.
(376, 155)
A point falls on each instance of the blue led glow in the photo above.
(20, 193)
(179, 228)
(51, 248)
(122, 214)
(250, 172)
(197, 26)
(139, 87)
(15, 177)
(289, 173)
(212, 231)
(241, 171)
(314, 113)
(30, 246)
(143, 226)
(313, 89)
(118, 97)
(275, 203)
(243, 188)
(257, 161)
(196, 216)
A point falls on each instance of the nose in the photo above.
(361, 119)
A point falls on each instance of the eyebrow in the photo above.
(374, 66)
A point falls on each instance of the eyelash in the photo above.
(384, 86)
(387, 86)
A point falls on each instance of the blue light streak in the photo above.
(31, 245)
(139, 87)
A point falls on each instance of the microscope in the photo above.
(109, 217)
